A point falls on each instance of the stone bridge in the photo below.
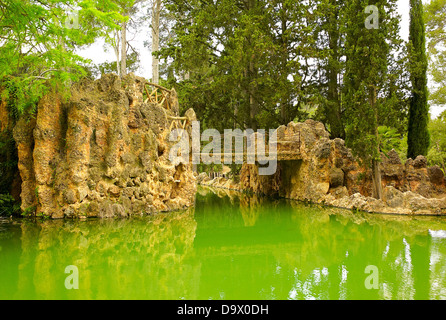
(312, 167)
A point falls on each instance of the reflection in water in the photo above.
(231, 246)
(130, 258)
(307, 252)
(437, 269)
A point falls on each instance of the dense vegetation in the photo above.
(435, 20)
(247, 63)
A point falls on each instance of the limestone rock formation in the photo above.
(314, 166)
(393, 202)
(105, 153)
(311, 167)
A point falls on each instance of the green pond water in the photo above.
(230, 246)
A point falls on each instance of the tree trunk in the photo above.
(123, 49)
(234, 105)
(333, 107)
(376, 172)
(118, 63)
(252, 77)
(253, 105)
(442, 159)
(116, 48)
(253, 112)
(156, 11)
(284, 114)
(376, 178)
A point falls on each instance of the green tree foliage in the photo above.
(133, 64)
(330, 44)
(389, 139)
(8, 160)
(260, 63)
(330, 54)
(437, 151)
(243, 64)
(418, 134)
(435, 19)
(239, 64)
(38, 40)
(370, 54)
(165, 32)
(118, 38)
(8, 206)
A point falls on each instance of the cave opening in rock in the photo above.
(290, 179)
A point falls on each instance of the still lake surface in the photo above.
(230, 246)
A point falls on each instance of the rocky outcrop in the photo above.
(322, 170)
(316, 167)
(307, 167)
(393, 202)
(104, 153)
(413, 176)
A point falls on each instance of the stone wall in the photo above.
(105, 153)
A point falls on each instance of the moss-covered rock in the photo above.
(98, 154)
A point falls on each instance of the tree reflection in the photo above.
(230, 246)
(306, 251)
(137, 258)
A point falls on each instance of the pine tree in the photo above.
(418, 134)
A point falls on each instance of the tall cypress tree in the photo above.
(418, 135)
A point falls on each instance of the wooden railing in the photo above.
(177, 122)
(159, 95)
